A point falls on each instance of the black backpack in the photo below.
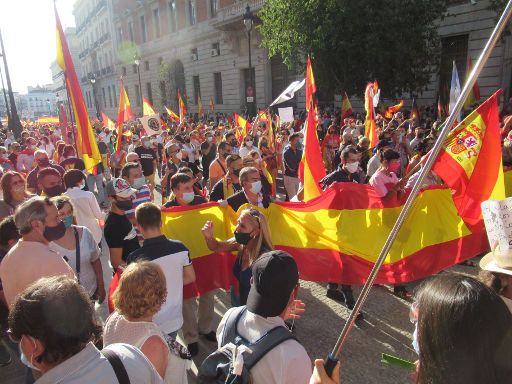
(217, 368)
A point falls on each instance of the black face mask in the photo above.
(124, 205)
(234, 143)
(225, 155)
(236, 172)
(43, 162)
(54, 233)
(242, 238)
(54, 191)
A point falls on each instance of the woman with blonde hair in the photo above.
(252, 239)
(138, 297)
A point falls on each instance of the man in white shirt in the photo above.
(275, 284)
(374, 162)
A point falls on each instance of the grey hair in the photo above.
(245, 172)
(32, 209)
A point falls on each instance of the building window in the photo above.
(453, 48)
(123, 71)
(156, 19)
(217, 87)
(160, 61)
(197, 88)
(119, 34)
(134, 68)
(191, 12)
(116, 97)
(173, 21)
(130, 31)
(149, 92)
(214, 7)
(216, 47)
(109, 96)
(137, 95)
(146, 65)
(163, 93)
(143, 34)
(103, 98)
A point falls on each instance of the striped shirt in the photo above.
(143, 195)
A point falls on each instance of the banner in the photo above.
(48, 120)
(286, 115)
(151, 124)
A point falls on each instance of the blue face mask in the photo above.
(68, 221)
(415, 343)
(26, 361)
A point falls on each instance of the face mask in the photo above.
(236, 172)
(415, 343)
(68, 221)
(54, 233)
(225, 155)
(19, 189)
(53, 191)
(43, 162)
(160, 139)
(179, 155)
(352, 167)
(248, 143)
(187, 197)
(242, 238)
(82, 185)
(139, 182)
(210, 139)
(256, 186)
(124, 205)
(393, 167)
(5, 156)
(24, 359)
(33, 147)
(258, 133)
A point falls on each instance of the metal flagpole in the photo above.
(332, 358)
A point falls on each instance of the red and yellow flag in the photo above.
(107, 122)
(370, 125)
(212, 105)
(147, 108)
(415, 114)
(470, 161)
(172, 115)
(182, 108)
(311, 167)
(244, 125)
(200, 109)
(310, 86)
(474, 94)
(390, 111)
(346, 107)
(86, 144)
(124, 113)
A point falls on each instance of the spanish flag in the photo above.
(370, 125)
(124, 114)
(415, 114)
(244, 127)
(311, 167)
(182, 108)
(107, 122)
(474, 94)
(172, 115)
(147, 108)
(346, 107)
(390, 111)
(212, 105)
(86, 144)
(470, 161)
(200, 109)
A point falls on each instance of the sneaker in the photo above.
(210, 336)
(335, 295)
(193, 348)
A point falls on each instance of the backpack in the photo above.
(221, 366)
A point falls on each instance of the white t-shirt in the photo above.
(244, 151)
(89, 252)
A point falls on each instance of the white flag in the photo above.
(151, 124)
(289, 92)
(455, 89)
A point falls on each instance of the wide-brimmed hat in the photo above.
(498, 260)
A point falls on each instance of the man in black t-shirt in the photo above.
(120, 235)
(148, 158)
(208, 153)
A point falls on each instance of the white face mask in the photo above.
(210, 139)
(5, 156)
(248, 143)
(256, 186)
(179, 155)
(352, 167)
(82, 185)
(139, 182)
(187, 197)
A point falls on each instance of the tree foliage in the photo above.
(353, 42)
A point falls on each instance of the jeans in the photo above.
(97, 180)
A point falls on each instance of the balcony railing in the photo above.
(233, 14)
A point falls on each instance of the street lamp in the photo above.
(136, 61)
(92, 79)
(249, 92)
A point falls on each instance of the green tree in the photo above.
(353, 42)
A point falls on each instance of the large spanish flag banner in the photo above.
(470, 161)
(311, 167)
(124, 113)
(86, 144)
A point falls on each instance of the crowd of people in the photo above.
(58, 219)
